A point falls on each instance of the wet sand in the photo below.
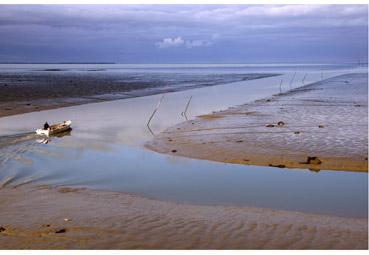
(66, 218)
(51, 89)
(321, 126)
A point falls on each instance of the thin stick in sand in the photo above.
(293, 77)
(280, 86)
(156, 108)
(185, 111)
(303, 79)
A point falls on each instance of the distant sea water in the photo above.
(74, 80)
(174, 67)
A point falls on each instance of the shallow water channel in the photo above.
(105, 151)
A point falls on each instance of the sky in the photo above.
(184, 33)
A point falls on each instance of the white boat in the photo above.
(55, 129)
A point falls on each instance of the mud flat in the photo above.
(67, 218)
(319, 126)
(54, 88)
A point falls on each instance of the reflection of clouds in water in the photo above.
(16, 151)
(123, 122)
(100, 154)
(22, 147)
(82, 144)
(15, 139)
(178, 160)
(14, 162)
(20, 150)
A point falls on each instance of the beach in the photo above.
(93, 189)
(67, 218)
(184, 127)
(319, 126)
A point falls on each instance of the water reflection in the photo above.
(105, 152)
(47, 139)
(135, 170)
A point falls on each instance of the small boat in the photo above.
(55, 129)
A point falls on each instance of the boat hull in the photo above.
(55, 129)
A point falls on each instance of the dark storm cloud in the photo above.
(183, 33)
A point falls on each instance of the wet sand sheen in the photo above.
(318, 126)
(49, 218)
(34, 218)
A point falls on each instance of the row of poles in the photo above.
(184, 113)
(293, 78)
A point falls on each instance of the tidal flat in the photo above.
(98, 187)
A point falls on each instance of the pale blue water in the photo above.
(105, 151)
(198, 68)
(135, 170)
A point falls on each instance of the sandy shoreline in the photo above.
(65, 218)
(44, 217)
(324, 127)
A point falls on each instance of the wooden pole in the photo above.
(280, 86)
(156, 108)
(293, 77)
(188, 104)
(303, 80)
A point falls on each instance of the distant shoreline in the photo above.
(24, 93)
(57, 63)
(236, 63)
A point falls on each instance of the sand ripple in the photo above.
(105, 220)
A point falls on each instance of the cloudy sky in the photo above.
(183, 33)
